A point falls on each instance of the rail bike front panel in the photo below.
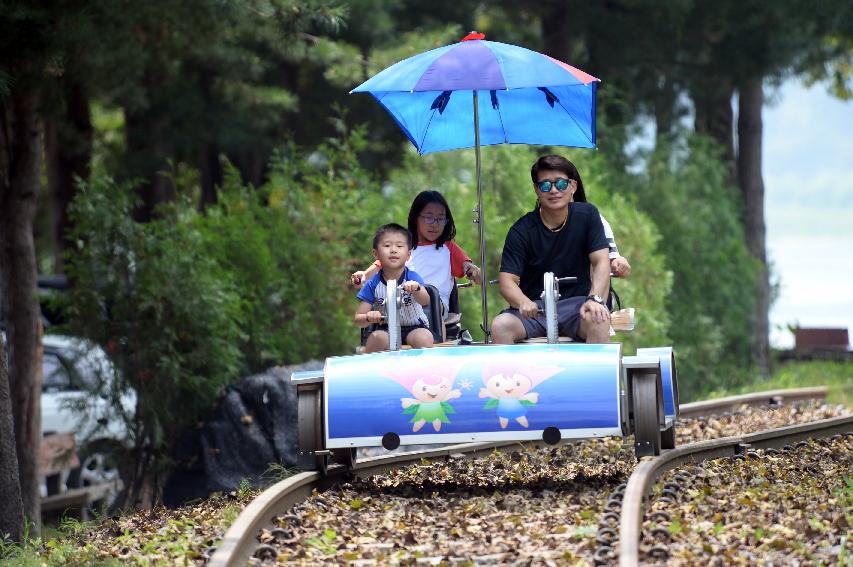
(475, 393)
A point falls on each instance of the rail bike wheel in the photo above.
(345, 456)
(550, 300)
(648, 414)
(310, 415)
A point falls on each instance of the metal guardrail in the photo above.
(239, 541)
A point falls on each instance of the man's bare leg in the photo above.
(594, 332)
(507, 329)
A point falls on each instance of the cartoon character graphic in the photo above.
(508, 386)
(431, 387)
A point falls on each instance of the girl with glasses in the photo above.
(435, 256)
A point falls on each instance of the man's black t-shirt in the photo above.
(531, 249)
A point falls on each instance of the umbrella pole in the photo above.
(481, 224)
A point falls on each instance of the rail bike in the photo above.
(550, 391)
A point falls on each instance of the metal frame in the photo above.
(392, 314)
(550, 296)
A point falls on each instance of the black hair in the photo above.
(391, 227)
(423, 199)
(559, 163)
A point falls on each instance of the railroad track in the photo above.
(240, 541)
(646, 473)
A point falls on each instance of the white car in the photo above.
(73, 368)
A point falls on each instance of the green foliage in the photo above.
(836, 376)
(191, 302)
(159, 303)
(269, 242)
(685, 192)
(325, 542)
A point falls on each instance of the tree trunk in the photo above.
(749, 128)
(148, 149)
(210, 171)
(68, 152)
(11, 506)
(20, 146)
(556, 29)
(714, 117)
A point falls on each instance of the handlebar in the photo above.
(362, 318)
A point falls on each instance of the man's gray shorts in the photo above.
(568, 319)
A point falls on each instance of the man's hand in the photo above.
(620, 267)
(528, 308)
(374, 316)
(472, 272)
(411, 286)
(594, 312)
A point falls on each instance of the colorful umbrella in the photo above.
(527, 98)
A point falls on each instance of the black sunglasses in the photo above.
(561, 184)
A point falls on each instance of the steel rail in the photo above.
(239, 540)
(650, 468)
(770, 397)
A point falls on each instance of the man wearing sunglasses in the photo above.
(563, 237)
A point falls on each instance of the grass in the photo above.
(145, 538)
(836, 376)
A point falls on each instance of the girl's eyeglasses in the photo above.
(434, 220)
(560, 184)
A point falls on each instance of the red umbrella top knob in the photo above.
(474, 35)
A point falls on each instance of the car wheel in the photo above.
(100, 466)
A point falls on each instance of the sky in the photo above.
(808, 180)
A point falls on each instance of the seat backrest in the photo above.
(433, 313)
(453, 300)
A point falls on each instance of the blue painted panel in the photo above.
(473, 389)
(667, 375)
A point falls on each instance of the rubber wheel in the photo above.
(550, 300)
(310, 412)
(101, 463)
(647, 415)
(345, 457)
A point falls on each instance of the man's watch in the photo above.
(597, 298)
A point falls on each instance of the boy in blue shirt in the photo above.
(392, 246)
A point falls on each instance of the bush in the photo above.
(190, 302)
(686, 192)
(154, 297)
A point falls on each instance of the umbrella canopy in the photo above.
(525, 97)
